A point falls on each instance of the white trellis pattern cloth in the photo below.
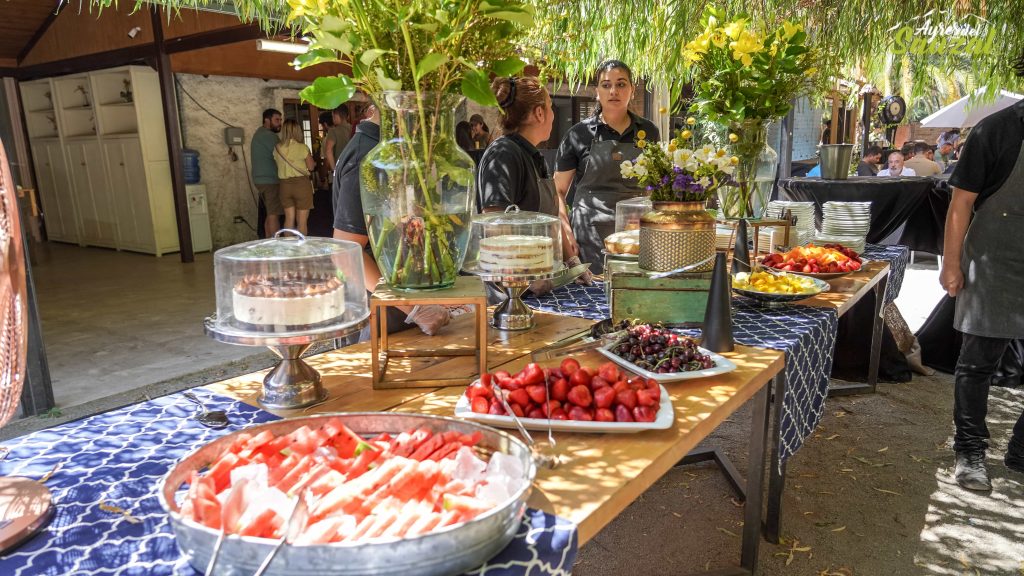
(119, 457)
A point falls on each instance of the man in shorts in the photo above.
(264, 169)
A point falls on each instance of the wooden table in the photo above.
(600, 474)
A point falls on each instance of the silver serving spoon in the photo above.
(209, 418)
(293, 529)
(543, 460)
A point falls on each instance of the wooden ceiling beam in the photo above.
(39, 32)
(213, 38)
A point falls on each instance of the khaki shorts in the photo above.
(297, 193)
(271, 195)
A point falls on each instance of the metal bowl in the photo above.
(772, 298)
(450, 550)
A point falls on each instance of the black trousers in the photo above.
(979, 361)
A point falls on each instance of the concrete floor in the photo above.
(116, 322)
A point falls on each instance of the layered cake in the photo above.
(515, 254)
(289, 301)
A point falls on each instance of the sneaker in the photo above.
(1015, 457)
(970, 471)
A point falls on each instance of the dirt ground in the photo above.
(870, 494)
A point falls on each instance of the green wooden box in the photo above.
(678, 300)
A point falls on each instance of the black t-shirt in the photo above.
(348, 207)
(991, 150)
(508, 174)
(575, 147)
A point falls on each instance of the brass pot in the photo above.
(677, 234)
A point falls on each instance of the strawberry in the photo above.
(536, 413)
(581, 414)
(479, 405)
(560, 389)
(599, 382)
(620, 386)
(609, 372)
(627, 398)
(556, 373)
(518, 410)
(654, 392)
(569, 365)
(604, 415)
(551, 407)
(644, 398)
(502, 375)
(486, 379)
(644, 414)
(496, 408)
(537, 392)
(519, 397)
(532, 374)
(559, 414)
(580, 396)
(478, 389)
(580, 378)
(622, 414)
(604, 397)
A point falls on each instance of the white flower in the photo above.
(704, 181)
(681, 156)
(639, 171)
(721, 163)
(728, 170)
(626, 168)
(705, 154)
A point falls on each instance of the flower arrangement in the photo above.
(676, 172)
(741, 71)
(416, 59)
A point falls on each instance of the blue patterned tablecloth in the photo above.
(119, 457)
(807, 335)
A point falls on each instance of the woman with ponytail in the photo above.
(590, 155)
(512, 170)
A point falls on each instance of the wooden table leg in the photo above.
(375, 343)
(878, 322)
(755, 482)
(776, 468)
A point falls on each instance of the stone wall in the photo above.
(238, 102)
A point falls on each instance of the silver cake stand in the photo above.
(512, 313)
(292, 383)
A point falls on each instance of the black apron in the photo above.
(991, 302)
(598, 191)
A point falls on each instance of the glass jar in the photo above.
(755, 174)
(417, 190)
(289, 284)
(629, 212)
(514, 243)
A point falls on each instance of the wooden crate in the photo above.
(677, 300)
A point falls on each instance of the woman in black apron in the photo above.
(591, 154)
(512, 170)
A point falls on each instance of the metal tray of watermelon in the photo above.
(451, 550)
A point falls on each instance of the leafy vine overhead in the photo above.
(570, 37)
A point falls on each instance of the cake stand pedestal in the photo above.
(512, 313)
(292, 383)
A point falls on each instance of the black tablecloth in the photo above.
(927, 223)
(940, 346)
(893, 200)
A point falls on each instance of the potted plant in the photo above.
(680, 178)
(416, 59)
(746, 76)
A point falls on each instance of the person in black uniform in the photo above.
(983, 268)
(590, 156)
(350, 224)
(513, 171)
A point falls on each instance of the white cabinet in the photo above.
(93, 194)
(100, 153)
(55, 191)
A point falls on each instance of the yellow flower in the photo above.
(662, 110)
(743, 47)
(810, 71)
(672, 146)
(733, 29)
(641, 134)
(718, 38)
(790, 30)
(691, 56)
(733, 137)
(734, 160)
(691, 121)
(686, 134)
(720, 153)
(641, 144)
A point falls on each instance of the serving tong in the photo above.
(544, 457)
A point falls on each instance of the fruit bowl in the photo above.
(450, 550)
(824, 275)
(822, 262)
(776, 298)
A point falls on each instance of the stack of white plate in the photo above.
(725, 237)
(799, 234)
(845, 223)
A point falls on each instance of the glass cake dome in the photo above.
(628, 213)
(289, 284)
(514, 242)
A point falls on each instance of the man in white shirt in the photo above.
(896, 167)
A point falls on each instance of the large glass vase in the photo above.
(418, 192)
(755, 174)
